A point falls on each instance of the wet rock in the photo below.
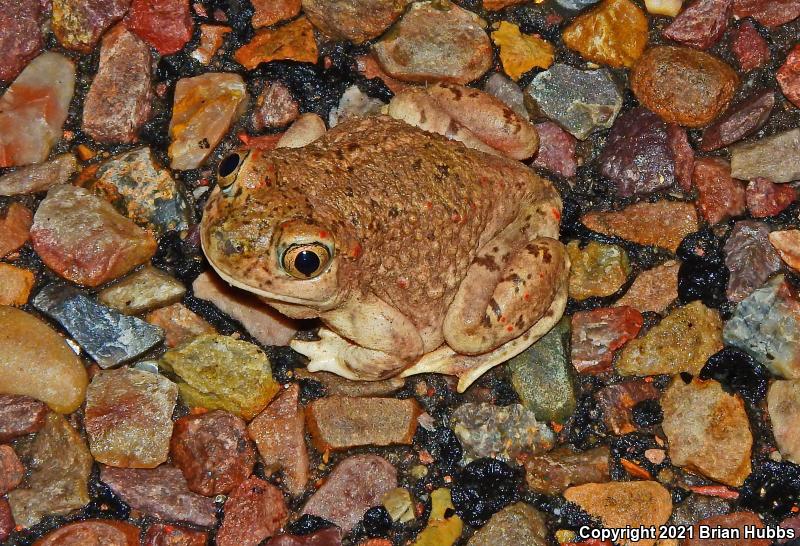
(683, 85)
(745, 522)
(59, 464)
(783, 404)
(708, 430)
(444, 525)
(20, 35)
(305, 130)
(503, 432)
(670, 8)
(85, 240)
(340, 422)
(275, 107)
(613, 33)
(720, 195)
(581, 101)
(211, 39)
(509, 93)
(109, 337)
(179, 323)
(353, 20)
(164, 24)
(118, 102)
(33, 109)
(765, 199)
(354, 103)
(697, 507)
(543, 377)
(637, 156)
(681, 342)
(160, 534)
(739, 121)
(15, 226)
(336, 385)
(597, 334)
(519, 52)
(653, 290)
(261, 321)
(787, 243)
(269, 12)
(37, 362)
(160, 492)
(749, 47)
(618, 504)
(142, 291)
(128, 417)
(769, 13)
(220, 372)
(213, 452)
(203, 110)
(279, 434)
(618, 401)
(663, 223)
(11, 469)
(597, 269)
(6, 520)
(701, 24)
(551, 473)
(556, 150)
(416, 50)
(40, 177)
(330, 536)
(368, 66)
(683, 154)
(514, 525)
(254, 511)
(355, 485)
(20, 415)
(15, 285)
(291, 42)
(766, 325)
(776, 158)
(750, 258)
(78, 24)
(788, 76)
(576, 5)
(91, 532)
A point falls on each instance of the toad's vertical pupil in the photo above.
(307, 262)
(228, 165)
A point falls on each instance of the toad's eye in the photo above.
(228, 167)
(306, 261)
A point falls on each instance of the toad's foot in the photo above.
(333, 353)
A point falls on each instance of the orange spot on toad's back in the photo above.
(323, 234)
(510, 328)
(556, 214)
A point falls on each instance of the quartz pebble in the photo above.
(766, 325)
(291, 42)
(142, 291)
(59, 468)
(662, 223)
(160, 534)
(618, 504)
(416, 50)
(681, 342)
(597, 270)
(750, 258)
(787, 243)
(180, 324)
(20, 36)
(37, 362)
(556, 150)
(354, 103)
(254, 511)
(269, 12)
(85, 240)
(701, 24)
(15, 285)
(128, 417)
(20, 415)
(34, 108)
(275, 107)
(598, 333)
(720, 195)
(514, 525)
(262, 322)
(203, 110)
(92, 532)
(783, 404)
(211, 39)
(766, 199)
(617, 402)
(340, 422)
(118, 102)
(520, 53)
(164, 24)
(669, 8)
(552, 472)
(776, 158)
(739, 121)
(220, 372)
(653, 290)
(213, 452)
(683, 85)
(160, 492)
(788, 76)
(486, 430)
(15, 226)
(613, 33)
(355, 485)
(78, 24)
(749, 47)
(11, 469)
(109, 337)
(39, 177)
(353, 20)
(279, 434)
(509, 93)
(708, 430)
(581, 101)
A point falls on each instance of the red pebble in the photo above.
(766, 199)
(788, 76)
(750, 47)
(164, 24)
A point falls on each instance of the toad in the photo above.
(416, 253)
